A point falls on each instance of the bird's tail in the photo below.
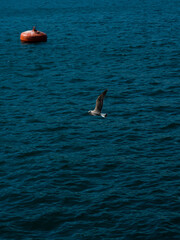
(104, 115)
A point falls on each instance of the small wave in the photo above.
(51, 129)
(34, 121)
(6, 88)
(165, 139)
(31, 153)
(24, 74)
(172, 126)
(77, 80)
(154, 83)
(161, 109)
(45, 222)
(157, 92)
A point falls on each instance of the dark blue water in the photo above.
(70, 176)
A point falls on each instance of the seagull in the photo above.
(99, 105)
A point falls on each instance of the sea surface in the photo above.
(67, 175)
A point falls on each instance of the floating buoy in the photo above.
(33, 36)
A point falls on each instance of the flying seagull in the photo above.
(99, 105)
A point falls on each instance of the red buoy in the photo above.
(33, 36)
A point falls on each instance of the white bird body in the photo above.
(99, 105)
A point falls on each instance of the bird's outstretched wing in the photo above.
(99, 102)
